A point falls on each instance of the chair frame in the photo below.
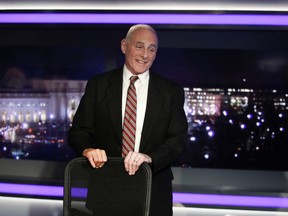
(84, 162)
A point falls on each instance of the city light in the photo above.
(238, 129)
(193, 139)
(25, 125)
(243, 132)
(249, 116)
(210, 133)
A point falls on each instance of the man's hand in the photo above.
(96, 157)
(133, 160)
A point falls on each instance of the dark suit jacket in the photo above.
(98, 124)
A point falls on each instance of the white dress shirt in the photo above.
(141, 86)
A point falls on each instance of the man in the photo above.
(161, 125)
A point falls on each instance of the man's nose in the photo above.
(144, 53)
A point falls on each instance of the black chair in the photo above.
(108, 191)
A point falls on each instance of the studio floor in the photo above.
(14, 206)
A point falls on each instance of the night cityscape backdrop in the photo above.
(236, 100)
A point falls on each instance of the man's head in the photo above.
(140, 47)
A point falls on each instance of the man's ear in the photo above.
(123, 46)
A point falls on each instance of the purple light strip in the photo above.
(79, 192)
(185, 198)
(122, 18)
(26, 189)
(231, 200)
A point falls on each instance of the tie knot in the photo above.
(133, 79)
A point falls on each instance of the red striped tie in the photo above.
(129, 125)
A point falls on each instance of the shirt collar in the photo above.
(143, 78)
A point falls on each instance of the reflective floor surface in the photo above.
(12, 206)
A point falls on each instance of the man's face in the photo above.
(140, 50)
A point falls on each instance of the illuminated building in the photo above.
(44, 100)
(212, 101)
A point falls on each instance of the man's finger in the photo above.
(92, 162)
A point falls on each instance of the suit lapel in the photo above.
(154, 104)
(114, 95)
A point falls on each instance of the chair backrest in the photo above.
(107, 191)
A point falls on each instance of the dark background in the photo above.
(194, 57)
(201, 57)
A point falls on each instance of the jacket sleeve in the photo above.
(174, 132)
